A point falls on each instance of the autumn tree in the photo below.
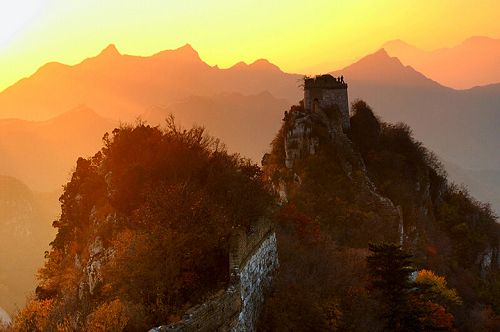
(433, 296)
(413, 301)
(144, 230)
(34, 316)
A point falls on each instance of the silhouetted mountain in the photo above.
(471, 63)
(461, 126)
(379, 67)
(245, 123)
(42, 153)
(25, 223)
(123, 86)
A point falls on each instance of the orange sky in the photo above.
(299, 36)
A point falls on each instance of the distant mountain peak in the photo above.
(380, 57)
(81, 113)
(395, 42)
(188, 48)
(51, 67)
(239, 65)
(259, 64)
(398, 45)
(187, 52)
(264, 64)
(472, 62)
(474, 40)
(381, 53)
(381, 67)
(110, 50)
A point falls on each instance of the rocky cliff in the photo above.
(305, 140)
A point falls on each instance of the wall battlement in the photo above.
(253, 258)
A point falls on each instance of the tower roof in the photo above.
(326, 81)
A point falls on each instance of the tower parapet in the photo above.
(326, 92)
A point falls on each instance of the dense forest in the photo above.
(371, 235)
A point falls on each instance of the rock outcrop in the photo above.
(306, 132)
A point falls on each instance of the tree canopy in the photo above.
(144, 230)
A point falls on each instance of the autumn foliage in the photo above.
(144, 231)
(326, 283)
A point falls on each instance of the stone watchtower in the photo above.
(324, 92)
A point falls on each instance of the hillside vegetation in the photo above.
(329, 217)
(371, 235)
(144, 230)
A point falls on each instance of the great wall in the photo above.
(253, 254)
(253, 260)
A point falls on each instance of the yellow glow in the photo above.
(16, 15)
(299, 36)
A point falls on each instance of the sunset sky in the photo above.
(299, 36)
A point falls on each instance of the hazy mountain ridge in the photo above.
(25, 219)
(380, 67)
(123, 86)
(41, 153)
(461, 126)
(234, 118)
(474, 62)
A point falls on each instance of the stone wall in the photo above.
(253, 258)
(255, 280)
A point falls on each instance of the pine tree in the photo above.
(390, 269)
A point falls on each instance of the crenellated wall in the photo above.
(253, 258)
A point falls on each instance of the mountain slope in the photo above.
(144, 232)
(42, 153)
(123, 86)
(379, 67)
(461, 126)
(25, 232)
(473, 62)
(245, 123)
(374, 183)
